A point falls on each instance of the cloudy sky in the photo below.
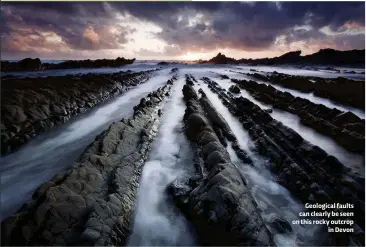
(177, 30)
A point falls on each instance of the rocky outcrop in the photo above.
(224, 77)
(174, 70)
(221, 59)
(340, 90)
(345, 128)
(234, 89)
(218, 201)
(306, 170)
(31, 106)
(35, 64)
(335, 57)
(167, 63)
(93, 202)
(322, 57)
(222, 128)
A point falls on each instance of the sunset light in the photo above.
(191, 56)
(182, 123)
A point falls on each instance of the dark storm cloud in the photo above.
(243, 25)
(80, 26)
(193, 26)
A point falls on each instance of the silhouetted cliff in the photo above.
(322, 57)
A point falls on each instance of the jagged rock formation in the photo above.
(234, 89)
(304, 169)
(345, 128)
(219, 204)
(221, 59)
(31, 106)
(222, 129)
(35, 64)
(341, 90)
(93, 202)
(322, 57)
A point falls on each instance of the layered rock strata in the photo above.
(218, 203)
(341, 90)
(31, 106)
(345, 128)
(93, 202)
(306, 170)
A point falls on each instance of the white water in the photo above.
(152, 64)
(157, 222)
(137, 66)
(309, 96)
(54, 151)
(317, 72)
(274, 200)
(354, 161)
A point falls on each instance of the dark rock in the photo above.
(35, 64)
(34, 105)
(304, 169)
(189, 92)
(194, 180)
(221, 59)
(347, 129)
(323, 56)
(234, 89)
(22, 65)
(269, 110)
(92, 203)
(281, 225)
(342, 90)
(221, 208)
(224, 76)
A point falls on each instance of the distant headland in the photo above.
(29, 64)
(322, 57)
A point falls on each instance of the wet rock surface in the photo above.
(223, 76)
(31, 106)
(341, 90)
(234, 89)
(93, 202)
(217, 201)
(306, 170)
(345, 128)
(29, 64)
